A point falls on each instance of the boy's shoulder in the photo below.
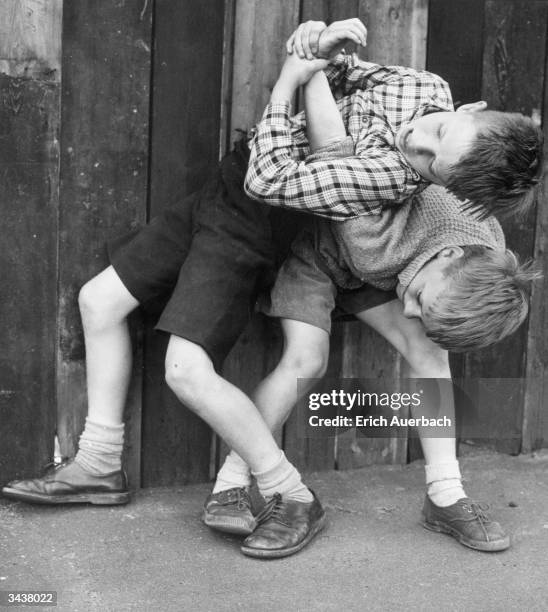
(394, 74)
(441, 210)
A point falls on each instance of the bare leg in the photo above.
(104, 305)
(304, 357)
(426, 360)
(231, 414)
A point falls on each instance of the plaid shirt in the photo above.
(376, 102)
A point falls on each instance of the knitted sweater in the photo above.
(393, 246)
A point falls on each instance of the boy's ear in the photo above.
(473, 107)
(451, 252)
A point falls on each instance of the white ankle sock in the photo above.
(100, 448)
(233, 473)
(444, 482)
(283, 478)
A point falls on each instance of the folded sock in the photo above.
(444, 483)
(283, 478)
(100, 448)
(233, 473)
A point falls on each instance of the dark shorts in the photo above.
(203, 260)
(305, 292)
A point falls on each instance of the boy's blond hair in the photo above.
(486, 300)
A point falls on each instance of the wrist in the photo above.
(283, 91)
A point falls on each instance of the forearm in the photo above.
(324, 124)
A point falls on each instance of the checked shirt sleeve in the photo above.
(347, 73)
(337, 189)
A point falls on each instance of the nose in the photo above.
(411, 309)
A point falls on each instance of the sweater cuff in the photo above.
(342, 147)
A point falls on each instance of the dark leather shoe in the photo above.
(467, 521)
(69, 483)
(230, 511)
(285, 526)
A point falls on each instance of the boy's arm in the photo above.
(324, 124)
(334, 188)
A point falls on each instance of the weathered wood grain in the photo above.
(455, 46)
(396, 31)
(261, 29)
(30, 77)
(535, 418)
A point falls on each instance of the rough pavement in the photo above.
(155, 554)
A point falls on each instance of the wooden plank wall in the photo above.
(30, 110)
(139, 123)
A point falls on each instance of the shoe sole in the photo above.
(259, 553)
(228, 524)
(98, 499)
(495, 546)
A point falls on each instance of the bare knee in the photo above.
(104, 301)
(307, 360)
(92, 309)
(188, 371)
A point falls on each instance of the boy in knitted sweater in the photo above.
(458, 287)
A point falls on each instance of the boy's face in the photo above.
(428, 284)
(432, 143)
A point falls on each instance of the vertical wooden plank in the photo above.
(30, 77)
(396, 31)
(367, 355)
(104, 163)
(227, 76)
(513, 78)
(455, 46)
(186, 110)
(262, 27)
(329, 10)
(535, 420)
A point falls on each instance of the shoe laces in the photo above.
(478, 509)
(53, 466)
(236, 496)
(274, 510)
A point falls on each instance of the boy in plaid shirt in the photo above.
(406, 136)
(364, 162)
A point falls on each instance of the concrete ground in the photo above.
(155, 554)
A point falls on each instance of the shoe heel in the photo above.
(110, 499)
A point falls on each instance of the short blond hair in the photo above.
(487, 299)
